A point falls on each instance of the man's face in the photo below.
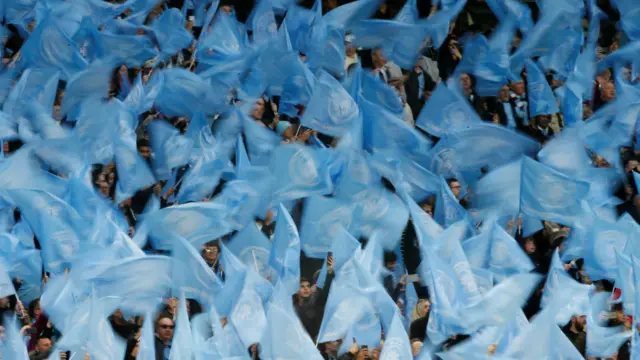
(165, 329)
(608, 91)
(504, 94)
(580, 322)
(455, 188)
(258, 110)
(210, 253)
(43, 345)
(390, 265)
(518, 87)
(465, 81)
(543, 121)
(305, 289)
(145, 152)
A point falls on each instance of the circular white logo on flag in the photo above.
(606, 244)
(331, 222)
(467, 280)
(394, 350)
(552, 193)
(230, 45)
(375, 206)
(187, 222)
(368, 320)
(359, 170)
(255, 257)
(445, 285)
(499, 254)
(455, 115)
(266, 24)
(341, 107)
(302, 169)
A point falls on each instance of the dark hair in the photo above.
(163, 316)
(143, 143)
(390, 257)
(32, 307)
(452, 180)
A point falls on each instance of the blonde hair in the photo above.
(418, 310)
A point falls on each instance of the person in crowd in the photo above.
(576, 332)
(42, 349)
(164, 335)
(387, 71)
(310, 306)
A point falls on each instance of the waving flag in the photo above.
(170, 149)
(182, 346)
(549, 195)
(541, 99)
(263, 22)
(285, 252)
(300, 171)
(446, 111)
(252, 247)
(333, 110)
(191, 276)
(604, 239)
(185, 93)
(170, 32)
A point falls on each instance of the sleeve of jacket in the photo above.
(346, 356)
(324, 292)
(409, 250)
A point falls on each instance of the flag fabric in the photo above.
(446, 111)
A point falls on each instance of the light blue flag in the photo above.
(604, 239)
(625, 282)
(248, 315)
(333, 110)
(349, 14)
(447, 299)
(170, 149)
(554, 344)
(57, 225)
(133, 172)
(286, 243)
(6, 285)
(498, 192)
(326, 48)
(300, 172)
(483, 145)
(322, 219)
(344, 307)
(502, 303)
(182, 346)
(356, 174)
(147, 348)
(91, 82)
(185, 93)
(282, 319)
(39, 84)
(628, 10)
(191, 276)
(252, 247)
(262, 22)
(521, 12)
(376, 91)
(570, 296)
(384, 130)
(224, 39)
(536, 41)
(566, 47)
(170, 33)
(506, 257)
(140, 99)
(130, 50)
(484, 279)
(13, 344)
(565, 153)
(343, 247)
(446, 111)
(603, 342)
(8, 128)
(261, 141)
(427, 229)
(200, 132)
(49, 47)
(447, 208)
(396, 342)
(380, 210)
(366, 331)
(203, 176)
(541, 99)
(27, 173)
(550, 195)
(409, 13)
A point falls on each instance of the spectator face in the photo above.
(43, 345)
(631, 165)
(165, 329)
(227, 9)
(504, 94)
(465, 82)
(579, 322)
(377, 58)
(305, 289)
(529, 246)
(210, 253)
(416, 346)
(104, 188)
(145, 152)
(37, 311)
(428, 209)
(608, 91)
(543, 121)
(258, 110)
(455, 188)
(427, 94)
(5, 147)
(518, 87)
(427, 306)
(350, 51)
(390, 265)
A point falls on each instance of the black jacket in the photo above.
(310, 310)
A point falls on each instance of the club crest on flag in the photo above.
(302, 169)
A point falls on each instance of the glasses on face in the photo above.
(162, 326)
(211, 250)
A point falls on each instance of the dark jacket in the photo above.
(34, 355)
(393, 291)
(418, 328)
(411, 257)
(159, 349)
(579, 340)
(310, 310)
(537, 134)
(412, 89)
(504, 120)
